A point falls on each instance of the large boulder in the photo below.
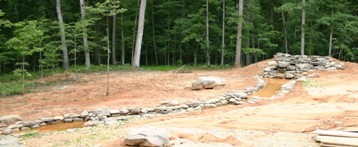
(147, 137)
(208, 83)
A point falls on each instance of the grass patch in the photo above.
(29, 135)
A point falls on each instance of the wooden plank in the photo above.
(338, 140)
(336, 133)
(333, 145)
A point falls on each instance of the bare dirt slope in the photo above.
(129, 89)
(327, 102)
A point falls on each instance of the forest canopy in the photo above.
(37, 34)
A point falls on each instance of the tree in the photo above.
(303, 27)
(239, 35)
(63, 37)
(85, 40)
(26, 41)
(207, 47)
(136, 59)
(223, 36)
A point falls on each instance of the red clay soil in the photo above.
(129, 89)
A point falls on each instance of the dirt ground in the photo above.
(326, 102)
(129, 89)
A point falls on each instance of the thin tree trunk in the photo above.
(330, 39)
(223, 36)
(114, 24)
(97, 53)
(134, 34)
(303, 27)
(123, 42)
(138, 46)
(285, 31)
(207, 34)
(196, 55)
(154, 42)
(108, 57)
(239, 36)
(85, 36)
(63, 37)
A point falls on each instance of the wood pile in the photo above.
(331, 138)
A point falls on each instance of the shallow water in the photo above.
(272, 86)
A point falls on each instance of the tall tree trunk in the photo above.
(207, 34)
(239, 35)
(114, 24)
(97, 53)
(138, 46)
(223, 36)
(85, 40)
(134, 33)
(123, 42)
(154, 42)
(303, 27)
(63, 37)
(330, 39)
(285, 31)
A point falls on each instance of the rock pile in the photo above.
(293, 66)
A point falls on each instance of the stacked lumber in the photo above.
(330, 138)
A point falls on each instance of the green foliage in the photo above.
(16, 87)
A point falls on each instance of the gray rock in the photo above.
(197, 86)
(114, 112)
(68, 120)
(194, 104)
(272, 63)
(240, 95)
(210, 106)
(84, 114)
(90, 124)
(59, 118)
(35, 126)
(28, 123)
(77, 119)
(15, 126)
(134, 111)
(7, 131)
(47, 119)
(10, 119)
(208, 83)
(283, 64)
(289, 75)
(25, 128)
(147, 136)
(170, 103)
(124, 111)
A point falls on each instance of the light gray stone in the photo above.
(59, 118)
(84, 114)
(272, 63)
(10, 119)
(147, 136)
(47, 119)
(283, 64)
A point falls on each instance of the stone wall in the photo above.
(294, 66)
